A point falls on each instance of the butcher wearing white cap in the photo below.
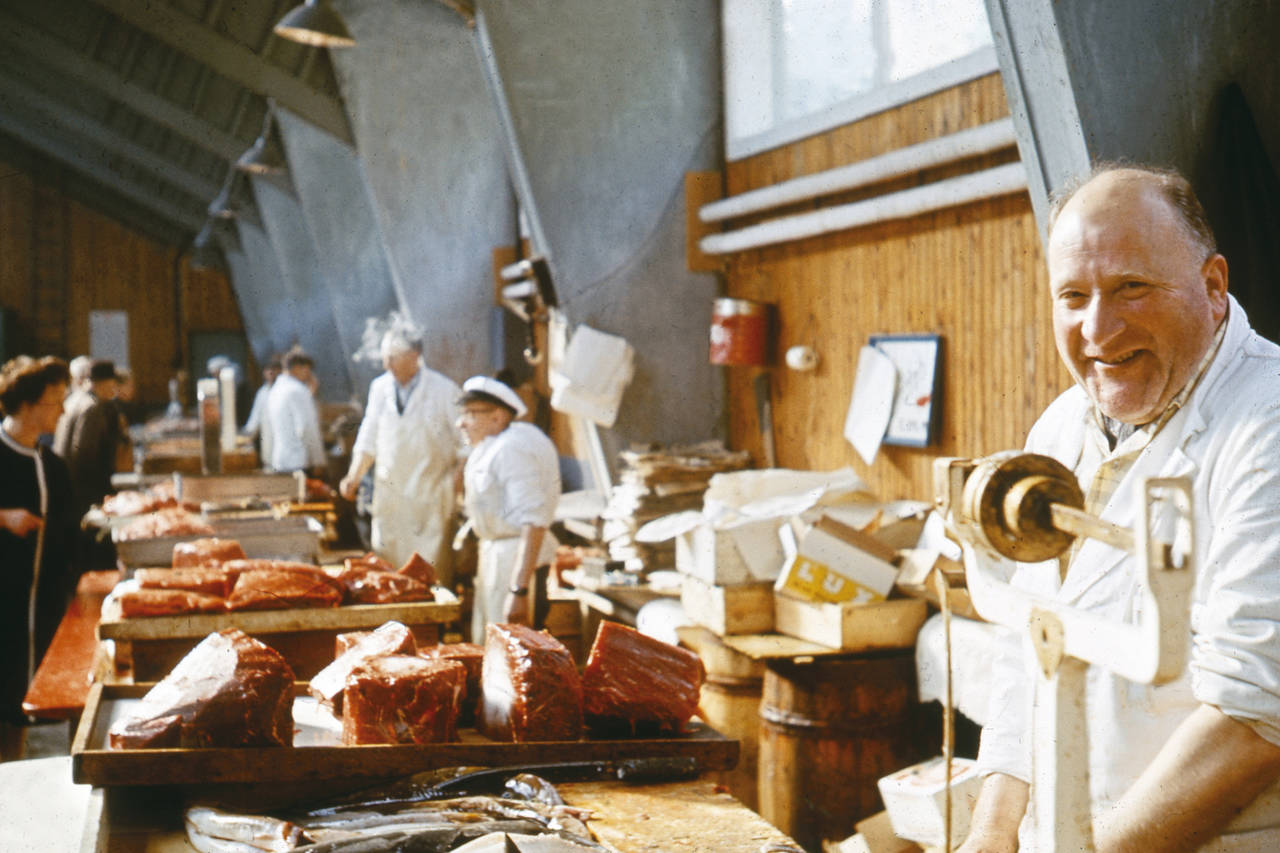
(512, 482)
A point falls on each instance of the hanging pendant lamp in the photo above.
(316, 23)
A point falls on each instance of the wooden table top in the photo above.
(61, 683)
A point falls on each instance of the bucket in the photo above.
(829, 729)
(730, 704)
(739, 330)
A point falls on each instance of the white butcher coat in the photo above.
(414, 457)
(294, 426)
(1226, 438)
(512, 479)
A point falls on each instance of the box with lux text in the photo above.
(837, 563)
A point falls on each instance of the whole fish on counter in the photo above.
(532, 807)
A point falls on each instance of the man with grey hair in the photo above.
(1170, 381)
(408, 438)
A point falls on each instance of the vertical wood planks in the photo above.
(973, 274)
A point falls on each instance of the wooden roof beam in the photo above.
(46, 51)
(72, 157)
(17, 95)
(234, 61)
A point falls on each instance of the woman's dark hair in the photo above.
(23, 380)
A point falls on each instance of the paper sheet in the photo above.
(871, 405)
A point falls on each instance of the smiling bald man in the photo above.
(1170, 381)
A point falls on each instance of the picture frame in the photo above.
(917, 403)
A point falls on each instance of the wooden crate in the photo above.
(889, 624)
(305, 636)
(318, 753)
(739, 609)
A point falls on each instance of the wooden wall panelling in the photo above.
(972, 274)
(16, 198)
(59, 260)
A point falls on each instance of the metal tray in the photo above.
(294, 537)
(226, 487)
(317, 753)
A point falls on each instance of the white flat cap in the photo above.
(490, 390)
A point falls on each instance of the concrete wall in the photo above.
(302, 294)
(432, 154)
(1136, 80)
(609, 104)
(344, 231)
(266, 304)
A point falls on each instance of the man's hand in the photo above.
(516, 608)
(997, 815)
(20, 522)
(348, 487)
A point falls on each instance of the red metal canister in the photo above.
(739, 329)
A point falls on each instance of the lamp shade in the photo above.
(316, 23)
(266, 155)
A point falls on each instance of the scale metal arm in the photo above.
(1027, 507)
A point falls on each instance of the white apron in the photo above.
(415, 456)
(494, 565)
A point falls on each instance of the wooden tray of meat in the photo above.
(305, 636)
(317, 753)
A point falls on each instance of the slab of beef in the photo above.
(210, 581)
(419, 569)
(282, 586)
(205, 552)
(230, 690)
(136, 603)
(390, 638)
(171, 521)
(470, 656)
(130, 502)
(374, 586)
(402, 699)
(369, 561)
(529, 685)
(633, 681)
(344, 641)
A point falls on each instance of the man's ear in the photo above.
(1214, 273)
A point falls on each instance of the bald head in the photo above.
(1137, 289)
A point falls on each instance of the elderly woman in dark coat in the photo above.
(36, 526)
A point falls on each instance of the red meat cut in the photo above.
(138, 603)
(205, 552)
(419, 569)
(373, 586)
(390, 638)
(632, 679)
(529, 685)
(230, 690)
(283, 586)
(210, 581)
(402, 699)
(471, 656)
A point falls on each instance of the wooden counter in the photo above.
(62, 681)
(689, 817)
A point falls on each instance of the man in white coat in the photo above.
(1170, 381)
(512, 482)
(409, 439)
(296, 444)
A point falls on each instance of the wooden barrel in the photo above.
(730, 704)
(829, 729)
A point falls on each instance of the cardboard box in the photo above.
(915, 798)
(743, 553)
(739, 609)
(836, 563)
(919, 566)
